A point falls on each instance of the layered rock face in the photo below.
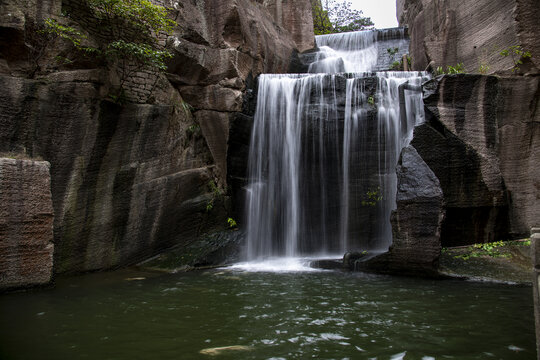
(482, 144)
(416, 222)
(26, 224)
(129, 181)
(472, 32)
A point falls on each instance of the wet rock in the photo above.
(26, 224)
(416, 223)
(214, 249)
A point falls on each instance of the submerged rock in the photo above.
(220, 350)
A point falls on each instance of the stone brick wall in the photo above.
(26, 223)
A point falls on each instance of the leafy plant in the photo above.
(518, 54)
(392, 52)
(373, 197)
(335, 16)
(483, 69)
(232, 223)
(458, 69)
(396, 65)
(371, 100)
(129, 36)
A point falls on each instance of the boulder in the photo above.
(26, 224)
(472, 32)
(416, 222)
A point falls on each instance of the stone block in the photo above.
(26, 224)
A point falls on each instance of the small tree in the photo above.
(335, 16)
(129, 34)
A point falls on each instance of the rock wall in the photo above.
(130, 181)
(26, 224)
(416, 222)
(482, 143)
(535, 252)
(472, 32)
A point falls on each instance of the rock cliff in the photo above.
(472, 32)
(129, 181)
(416, 222)
(26, 224)
(481, 139)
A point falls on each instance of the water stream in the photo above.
(324, 148)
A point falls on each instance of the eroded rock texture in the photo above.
(26, 224)
(416, 222)
(129, 181)
(472, 32)
(481, 139)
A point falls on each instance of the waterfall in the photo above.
(324, 147)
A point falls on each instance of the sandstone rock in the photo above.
(297, 18)
(15, 13)
(127, 182)
(215, 129)
(234, 38)
(481, 139)
(26, 224)
(213, 97)
(472, 32)
(518, 121)
(416, 223)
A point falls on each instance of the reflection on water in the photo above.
(235, 314)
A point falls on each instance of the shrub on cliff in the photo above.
(334, 16)
(128, 33)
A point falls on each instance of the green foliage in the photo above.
(192, 129)
(371, 100)
(483, 69)
(232, 223)
(392, 52)
(216, 193)
(398, 65)
(337, 16)
(458, 69)
(69, 33)
(518, 54)
(129, 36)
(493, 249)
(373, 197)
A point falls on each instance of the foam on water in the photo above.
(285, 264)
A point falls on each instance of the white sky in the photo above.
(381, 12)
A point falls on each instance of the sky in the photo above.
(381, 12)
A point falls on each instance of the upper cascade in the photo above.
(325, 145)
(359, 51)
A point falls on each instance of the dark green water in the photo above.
(322, 315)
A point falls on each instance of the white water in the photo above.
(321, 143)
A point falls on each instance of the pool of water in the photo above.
(267, 315)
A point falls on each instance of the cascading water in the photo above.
(324, 148)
